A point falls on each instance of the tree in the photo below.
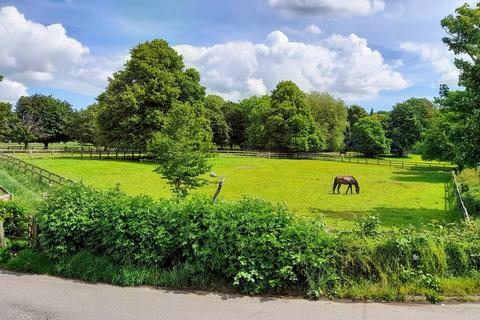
(408, 120)
(330, 114)
(1, 78)
(437, 144)
(290, 125)
(256, 111)
(82, 126)
(43, 118)
(384, 118)
(463, 107)
(7, 121)
(218, 123)
(134, 105)
(235, 118)
(183, 147)
(354, 113)
(368, 137)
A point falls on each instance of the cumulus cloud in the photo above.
(35, 54)
(326, 7)
(440, 59)
(342, 65)
(10, 91)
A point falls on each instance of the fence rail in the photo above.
(28, 168)
(94, 153)
(458, 197)
(330, 157)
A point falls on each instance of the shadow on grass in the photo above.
(392, 217)
(420, 176)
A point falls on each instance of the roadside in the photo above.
(25, 296)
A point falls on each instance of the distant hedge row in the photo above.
(255, 245)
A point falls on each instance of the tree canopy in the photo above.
(134, 105)
(408, 120)
(42, 118)
(83, 126)
(7, 120)
(218, 124)
(462, 107)
(330, 114)
(290, 125)
(182, 147)
(368, 137)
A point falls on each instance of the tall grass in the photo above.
(27, 191)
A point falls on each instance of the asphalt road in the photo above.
(25, 296)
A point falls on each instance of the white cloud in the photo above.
(313, 29)
(34, 54)
(440, 59)
(326, 7)
(343, 65)
(10, 91)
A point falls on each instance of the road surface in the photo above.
(26, 297)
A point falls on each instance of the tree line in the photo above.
(155, 93)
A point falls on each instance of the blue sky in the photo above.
(370, 52)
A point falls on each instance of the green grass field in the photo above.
(399, 197)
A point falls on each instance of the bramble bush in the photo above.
(10, 212)
(254, 245)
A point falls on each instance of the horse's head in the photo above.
(357, 186)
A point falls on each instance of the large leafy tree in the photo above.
(42, 118)
(330, 114)
(256, 111)
(408, 121)
(134, 105)
(82, 126)
(218, 123)
(368, 137)
(236, 121)
(7, 121)
(182, 147)
(463, 107)
(290, 125)
(354, 113)
(437, 144)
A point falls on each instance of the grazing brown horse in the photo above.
(349, 180)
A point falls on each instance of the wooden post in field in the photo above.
(2, 235)
(219, 188)
(33, 231)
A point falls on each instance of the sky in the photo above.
(374, 53)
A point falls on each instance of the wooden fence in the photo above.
(31, 231)
(330, 157)
(28, 168)
(452, 189)
(93, 153)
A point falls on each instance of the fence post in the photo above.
(2, 235)
(33, 231)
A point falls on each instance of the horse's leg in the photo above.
(338, 188)
(334, 185)
(351, 189)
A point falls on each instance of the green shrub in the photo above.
(251, 244)
(10, 212)
(30, 260)
(368, 225)
(472, 200)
